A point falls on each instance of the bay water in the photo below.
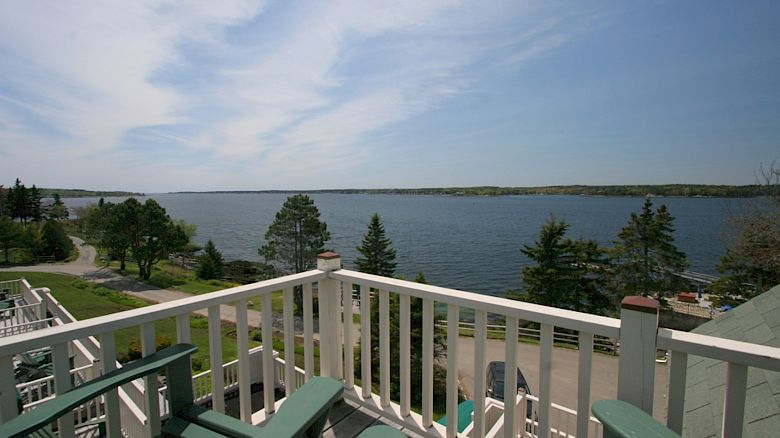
(466, 243)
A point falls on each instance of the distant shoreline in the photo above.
(664, 190)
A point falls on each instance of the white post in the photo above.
(453, 317)
(365, 339)
(636, 371)
(308, 331)
(427, 363)
(384, 348)
(480, 339)
(329, 291)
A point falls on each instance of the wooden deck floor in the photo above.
(347, 420)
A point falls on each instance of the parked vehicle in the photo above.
(495, 383)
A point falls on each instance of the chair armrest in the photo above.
(307, 408)
(63, 403)
(622, 419)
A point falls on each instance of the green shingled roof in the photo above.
(757, 321)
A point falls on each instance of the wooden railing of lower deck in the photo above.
(104, 328)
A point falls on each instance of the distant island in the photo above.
(671, 190)
(78, 193)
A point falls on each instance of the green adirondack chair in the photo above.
(303, 414)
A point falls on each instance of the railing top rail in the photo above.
(109, 323)
(744, 353)
(595, 324)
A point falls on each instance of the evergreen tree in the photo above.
(210, 264)
(3, 191)
(591, 278)
(646, 257)
(548, 281)
(294, 239)
(10, 235)
(566, 273)
(58, 210)
(378, 256)
(34, 204)
(16, 202)
(55, 241)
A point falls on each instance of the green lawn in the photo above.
(167, 275)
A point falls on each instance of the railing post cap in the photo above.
(328, 261)
(640, 304)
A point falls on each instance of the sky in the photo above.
(158, 96)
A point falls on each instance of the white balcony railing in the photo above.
(637, 331)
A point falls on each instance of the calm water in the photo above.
(468, 243)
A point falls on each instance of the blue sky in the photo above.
(251, 95)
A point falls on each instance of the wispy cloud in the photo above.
(283, 91)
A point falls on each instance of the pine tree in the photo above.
(646, 257)
(548, 281)
(566, 273)
(34, 204)
(210, 264)
(55, 241)
(16, 202)
(10, 235)
(58, 210)
(378, 256)
(294, 240)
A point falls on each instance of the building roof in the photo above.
(757, 321)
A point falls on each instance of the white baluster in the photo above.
(384, 347)
(269, 380)
(244, 366)
(405, 354)
(453, 318)
(215, 353)
(545, 378)
(427, 363)
(734, 403)
(108, 364)
(61, 361)
(583, 383)
(510, 379)
(308, 332)
(480, 340)
(289, 343)
(349, 347)
(678, 369)
(365, 339)
(152, 400)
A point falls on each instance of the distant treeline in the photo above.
(77, 193)
(687, 190)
